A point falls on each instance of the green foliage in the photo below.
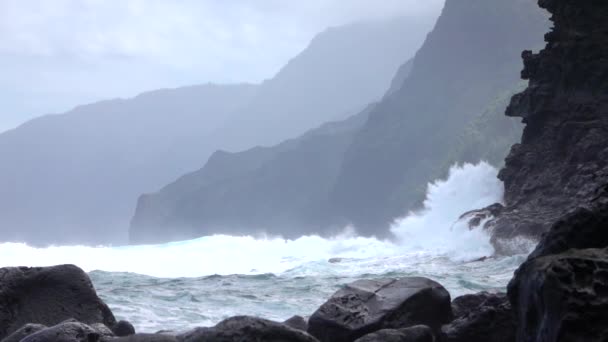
(490, 135)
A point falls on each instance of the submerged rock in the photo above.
(48, 295)
(366, 306)
(562, 297)
(245, 328)
(482, 317)
(418, 333)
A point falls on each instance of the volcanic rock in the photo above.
(23, 332)
(147, 338)
(482, 317)
(562, 297)
(123, 328)
(48, 295)
(297, 322)
(245, 328)
(562, 160)
(65, 332)
(366, 306)
(418, 333)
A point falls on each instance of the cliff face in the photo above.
(275, 190)
(342, 70)
(75, 177)
(445, 106)
(470, 58)
(563, 156)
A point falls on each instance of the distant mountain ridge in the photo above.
(265, 190)
(444, 106)
(469, 59)
(75, 177)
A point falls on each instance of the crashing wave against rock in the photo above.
(563, 157)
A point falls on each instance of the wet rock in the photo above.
(104, 332)
(584, 228)
(476, 218)
(48, 296)
(23, 332)
(562, 297)
(418, 333)
(65, 332)
(148, 338)
(123, 328)
(482, 317)
(366, 306)
(562, 160)
(465, 305)
(297, 322)
(245, 328)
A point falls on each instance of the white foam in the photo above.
(436, 227)
(434, 230)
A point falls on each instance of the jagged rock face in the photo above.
(583, 228)
(563, 156)
(562, 297)
(471, 56)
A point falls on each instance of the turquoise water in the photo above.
(184, 284)
(153, 304)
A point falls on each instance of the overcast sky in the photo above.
(61, 53)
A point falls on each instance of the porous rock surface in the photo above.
(562, 297)
(23, 332)
(366, 306)
(48, 296)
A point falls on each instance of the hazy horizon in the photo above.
(70, 53)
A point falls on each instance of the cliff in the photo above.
(470, 58)
(278, 190)
(75, 177)
(444, 106)
(563, 156)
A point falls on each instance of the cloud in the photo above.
(61, 53)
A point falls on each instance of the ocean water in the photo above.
(199, 282)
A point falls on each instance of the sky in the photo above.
(57, 54)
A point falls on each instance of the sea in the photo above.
(180, 285)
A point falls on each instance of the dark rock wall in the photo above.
(562, 159)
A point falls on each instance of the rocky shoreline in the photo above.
(556, 182)
(559, 294)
